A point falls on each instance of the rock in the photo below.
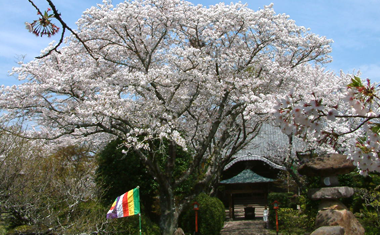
(331, 204)
(328, 165)
(329, 230)
(179, 231)
(331, 192)
(343, 218)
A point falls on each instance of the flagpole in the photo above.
(140, 222)
(140, 212)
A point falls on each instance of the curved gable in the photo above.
(254, 158)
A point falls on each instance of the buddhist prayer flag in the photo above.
(125, 205)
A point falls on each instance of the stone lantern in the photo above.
(333, 216)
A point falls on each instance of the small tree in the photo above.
(48, 192)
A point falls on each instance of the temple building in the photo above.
(252, 174)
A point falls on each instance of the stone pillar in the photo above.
(331, 211)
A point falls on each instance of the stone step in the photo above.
(243, 227)
(240, 213)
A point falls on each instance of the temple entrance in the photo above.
(247, 195)
(245, 187)
(247, 205)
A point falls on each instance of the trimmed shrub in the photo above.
(130, 225)
(211, 216)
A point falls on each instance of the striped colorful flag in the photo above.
(126, 205)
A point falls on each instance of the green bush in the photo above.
(283, 199)
(130, 225)
(118, 173)
(369, 215)
(22, 229)
(211, 216)
(370, 221)
(365, 203)
(293, 222)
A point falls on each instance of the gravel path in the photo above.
(244, 227)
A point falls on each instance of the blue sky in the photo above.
(354, 25)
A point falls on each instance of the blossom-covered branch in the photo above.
(353, 114)
(44, 26)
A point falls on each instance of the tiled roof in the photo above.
(246, 176)
(270, 142)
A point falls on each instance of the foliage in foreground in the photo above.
(118, 173)
(130, 225)
(291, 220)
(47, 193)
(365, 204)
(55, 194)
(369, 215)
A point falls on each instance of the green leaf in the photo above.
(375, 127)
(356, 82)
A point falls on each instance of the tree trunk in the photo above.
(169, 212)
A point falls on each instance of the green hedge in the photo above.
(211, 216)
(291, 220)
(130, 225)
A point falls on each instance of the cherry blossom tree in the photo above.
(202, 78)
(344, 116)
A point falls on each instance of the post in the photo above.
(276, 223)
(196, 209)
(275, 207)
(230, 206)
(196, 221)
